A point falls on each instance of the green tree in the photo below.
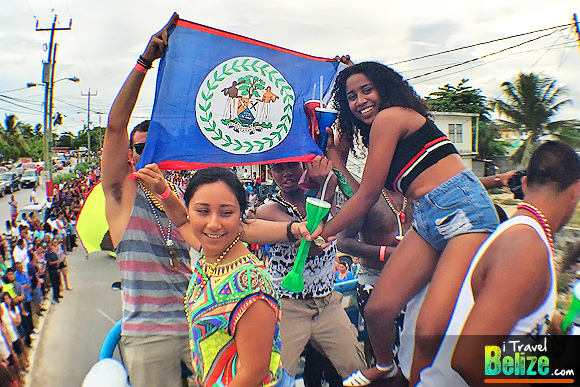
(530, 105)
(12, 144)
(466, 99)
(65, 139)
(250, 85)
(95, 133)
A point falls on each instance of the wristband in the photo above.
(382, 252)
(289, 235)
(140, 67)
(144, 62)
(165, 193)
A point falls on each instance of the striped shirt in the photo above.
(153, 290)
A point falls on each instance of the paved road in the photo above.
(74, 330)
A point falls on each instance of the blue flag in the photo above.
(224, 99)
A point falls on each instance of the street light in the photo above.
(72, 79)
(48, 101)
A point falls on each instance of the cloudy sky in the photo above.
(107, 37)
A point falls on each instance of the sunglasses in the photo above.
(139, 147)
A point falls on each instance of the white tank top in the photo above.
(440, 372)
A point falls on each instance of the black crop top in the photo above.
(415, 154)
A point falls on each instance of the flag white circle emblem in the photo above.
(244, 105)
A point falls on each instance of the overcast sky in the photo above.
(107, 36)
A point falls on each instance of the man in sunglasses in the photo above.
(153, 257)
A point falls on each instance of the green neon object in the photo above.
(574, 308)
(316, 210)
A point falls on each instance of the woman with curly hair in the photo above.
(452, 211)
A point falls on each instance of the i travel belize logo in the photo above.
(245, 105)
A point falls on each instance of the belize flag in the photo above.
(224, 99)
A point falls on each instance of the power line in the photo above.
(479, 44)
(2, 99)
(566, 44)
(480, 57)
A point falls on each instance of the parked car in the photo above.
(18, 170)
(4, 188)
(32, 165)
(13, 181)
(38, 209)
(29, 179)
(61, 160)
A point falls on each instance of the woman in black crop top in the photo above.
(452, 212)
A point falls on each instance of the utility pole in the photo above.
(575, 19)
(48, 80)
(100, 129)
(89, 95)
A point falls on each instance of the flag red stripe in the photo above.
(230, 35)
(175, 165)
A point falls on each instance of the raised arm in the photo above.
(388, 127)
(115, 167)
(254, 232)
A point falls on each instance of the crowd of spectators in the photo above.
(33, 268)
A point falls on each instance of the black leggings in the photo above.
(54, 276)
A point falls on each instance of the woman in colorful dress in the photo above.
(231, 305)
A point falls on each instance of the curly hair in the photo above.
(392, 88)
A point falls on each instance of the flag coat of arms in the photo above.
(224, 99)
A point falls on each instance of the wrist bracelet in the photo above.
(140, 67)
(382, 252)
(165, 193)
(289, 235)
(498, 180)
(144, 62)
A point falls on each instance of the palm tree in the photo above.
(11, 141)
(531, 103)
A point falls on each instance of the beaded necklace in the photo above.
(399, 213)
(542, 220)
(153, 200)
(294, 208)
(156, 205)
(206, 274)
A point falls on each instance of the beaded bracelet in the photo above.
(144, 62)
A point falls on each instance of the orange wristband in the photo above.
(165, 193)
(382, 253)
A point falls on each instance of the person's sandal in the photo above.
(357, 379)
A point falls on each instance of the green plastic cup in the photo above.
(316, 210)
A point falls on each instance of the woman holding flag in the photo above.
(452, 212)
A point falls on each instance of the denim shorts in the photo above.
(458, 206)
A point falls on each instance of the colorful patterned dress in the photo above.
(213, 311)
